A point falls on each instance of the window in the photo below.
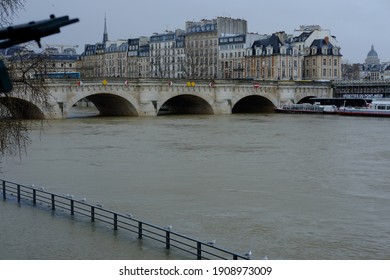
(324, 72)
(324, 62)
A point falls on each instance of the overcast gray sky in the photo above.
(357, 24)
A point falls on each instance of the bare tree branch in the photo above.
(26, 70)
(8, 9)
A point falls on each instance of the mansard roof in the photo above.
(302, 37)
(272, 41)
(319, 44)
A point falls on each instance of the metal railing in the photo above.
(67, 203)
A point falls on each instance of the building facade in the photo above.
(272, 58)
(372, 68)
(233, 51)
(322, 61)
(137, 65)
(302, 56)
(166, 52)
(202, 52)
(218, 48)
(116, 59)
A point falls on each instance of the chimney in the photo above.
(326, 39)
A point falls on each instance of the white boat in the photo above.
(307, 108)
(377, 108)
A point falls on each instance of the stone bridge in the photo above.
(153, 97)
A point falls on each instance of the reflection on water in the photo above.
(289, 187)
(83, 110)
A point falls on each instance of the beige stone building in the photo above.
(166, 52)
(322, 61)
(233, 51)
(306, 55)
(92, 62)
(218, 48)
(272, 59)
(138, 58)
(116, 59)
(202, 49)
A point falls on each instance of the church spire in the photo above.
(105, 34)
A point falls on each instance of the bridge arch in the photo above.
(108, 104)
(253, 103)
(306, 99)
(303, 94)
(21, 109)
(185, 104)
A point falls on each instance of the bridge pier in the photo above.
(148, 109)
(58, 111)
(223, 102)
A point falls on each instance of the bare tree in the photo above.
(8, 9)
(195, 64)
(25, 70)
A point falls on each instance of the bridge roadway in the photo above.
(153, 97)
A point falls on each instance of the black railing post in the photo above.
(53, 205)
(34, 196)
(167, 240)
(18, 192)
(235, 257)
(115, 221)
(4, 195)
(139, 230)
(72, 207)
(92, 214)
(199, 250)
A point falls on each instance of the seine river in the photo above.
(282, 186)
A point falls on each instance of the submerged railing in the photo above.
(39, 196)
